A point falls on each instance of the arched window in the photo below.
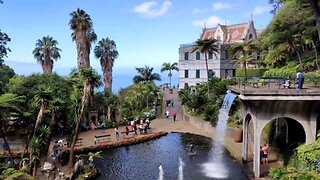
(250, 36)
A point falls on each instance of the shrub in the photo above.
(256, 72)
(312, 77)
(211, 113)
(148, 113)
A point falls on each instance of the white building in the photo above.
(192, 66)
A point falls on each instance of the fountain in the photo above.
(161, 173)
(180, 169)
(216, 168)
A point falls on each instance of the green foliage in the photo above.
(13, 174)
(251, 72)
(137, 97)
(286, 35)
(312, 77)
(5, 74)
(211, 113)
(289, 70)
(4, 39)
(145, 74)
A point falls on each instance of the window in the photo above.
(186, 55)
(210, 54)
(250, 36)
(211, 73)
(186, 73)
(186, 85)
(197, 73)
(197, 55)
(226, 53)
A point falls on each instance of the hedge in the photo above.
(256, 72)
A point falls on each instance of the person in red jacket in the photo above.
(174, 114)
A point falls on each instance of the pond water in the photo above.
(142, 161)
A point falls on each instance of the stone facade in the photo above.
(192, 65)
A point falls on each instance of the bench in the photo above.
(79, 142)
(98, 139)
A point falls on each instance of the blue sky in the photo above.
(146, 32)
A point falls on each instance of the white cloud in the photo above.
(199, 11)
(261, 10)
(220, 5)
(151, 9)
(210, 21)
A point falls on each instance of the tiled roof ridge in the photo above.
(231, 25)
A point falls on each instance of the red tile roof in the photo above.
(234, 33)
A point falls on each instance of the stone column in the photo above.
(256, 150)
(245, 140)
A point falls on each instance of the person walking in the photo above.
(116, 129)
(167, 114)
(172, 102)
(174, 115)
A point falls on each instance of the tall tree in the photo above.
(316, 11)
(83, 34)
(205, 46)
(90, 79)
(41, 100)
(106, 51)
(145, 74)
(46, 52)
(245, 50)
(169, 67)
(4, 39)
(276, 5)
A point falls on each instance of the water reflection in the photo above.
(142, 161)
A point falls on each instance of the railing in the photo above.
(264, 83)
(187, 45)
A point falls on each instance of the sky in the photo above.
(145, 32)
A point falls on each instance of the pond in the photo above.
(142, 161)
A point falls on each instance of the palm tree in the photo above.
(41, 100)
(9, 103)
(90, 80)
(145, 75)
(205, 46)
(245, 50)
(55, 107)
(83, 34)
(107, 53)
(46, 52)
(169, 67)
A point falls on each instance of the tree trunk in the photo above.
(40, 116)
(84, 102)
(205, 58)
(316, 9)
(245, 72)
(170, 75)
(300, 62)
(82, 50)
(109, 74)
(34, 173)
(47, 66)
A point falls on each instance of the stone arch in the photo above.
(304, 125)
(284, 128)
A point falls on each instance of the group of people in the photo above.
(141, 125)
(169, 102)
(94, 126)
(264, 154)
